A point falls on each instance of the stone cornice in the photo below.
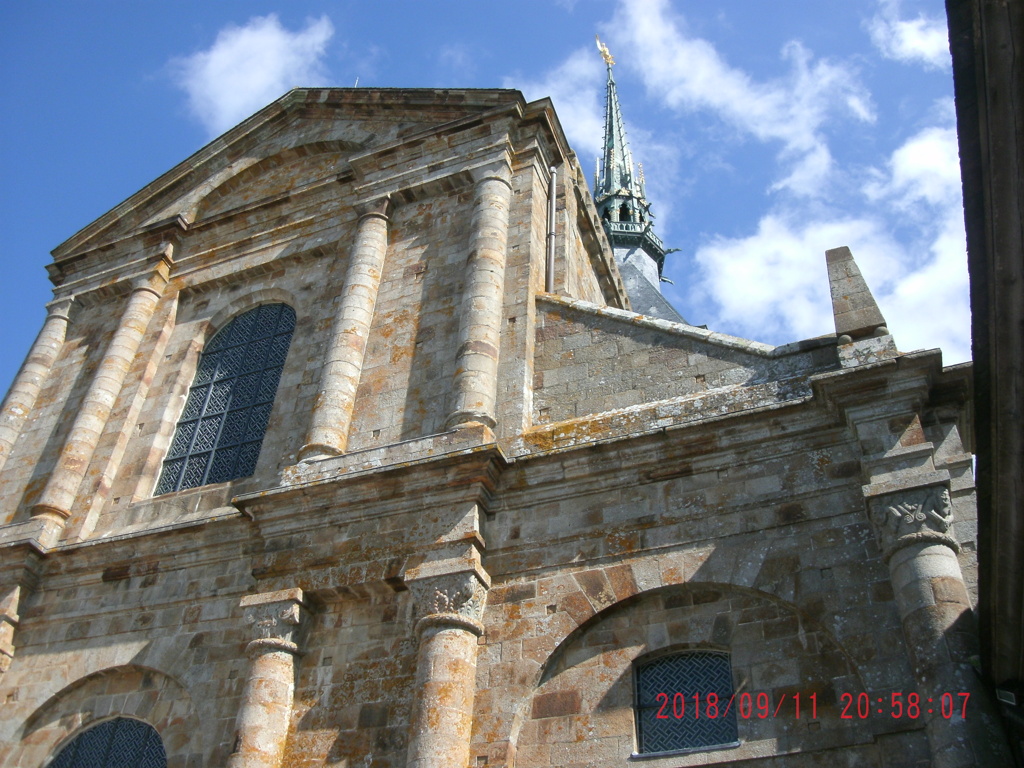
(412, 482)
(464, 100)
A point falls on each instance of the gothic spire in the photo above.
(622, 204)
(617, 174)
(619, 187)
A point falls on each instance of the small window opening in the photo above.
(682, 703)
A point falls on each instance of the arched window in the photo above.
(624, 213)
(114, 744)
(221, 430)
(684, 702)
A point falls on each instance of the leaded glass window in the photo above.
(118, 743)
(221, 429)
(684, 702)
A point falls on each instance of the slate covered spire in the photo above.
(622, 204)
(617, 175)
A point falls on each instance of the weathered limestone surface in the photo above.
(477, 505)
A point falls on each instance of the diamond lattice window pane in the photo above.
(672, 702)
(182, 439)
(223, 467)
(228, 407)
(118, 743)
(195, 403)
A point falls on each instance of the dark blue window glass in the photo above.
(118, 743)
(673, 695)
(221, 428)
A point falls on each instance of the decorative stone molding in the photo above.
(913, 516)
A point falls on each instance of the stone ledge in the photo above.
(405, 452)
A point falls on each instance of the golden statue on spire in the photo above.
(605, 54)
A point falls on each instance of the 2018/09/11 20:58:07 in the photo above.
(852, 707)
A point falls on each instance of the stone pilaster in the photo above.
(332, 412)
(475, 384)
(275, 619)
(59, 494)
(914, 530)
(9, 599)
(33, 374)
(450, 608)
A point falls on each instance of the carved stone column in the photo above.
(450, 608)
(263, 718)
(339, 380)
(33, 374)
(59, 494)
(475, 384)
(914, 530)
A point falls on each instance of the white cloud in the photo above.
(925, 169)
(247, 67)
(576, 87)
(923, 40)
(457, 58)
(688, 74)
(772, 285)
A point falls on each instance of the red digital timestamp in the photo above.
(899, 705)
(763, 706)
(678, 706)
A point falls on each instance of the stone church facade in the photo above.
(341, 446)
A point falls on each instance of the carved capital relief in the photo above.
(274, 620)
(455, 599)
(913, 516)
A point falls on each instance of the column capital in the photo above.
(60, 308)
(275, 620)
(449, 600)
(380, 207)
(155, 279)
(912, 516)
(499, 170)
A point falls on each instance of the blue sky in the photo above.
(768, 132)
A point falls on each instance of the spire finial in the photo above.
(605, 53)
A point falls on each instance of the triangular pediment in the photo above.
(304, 137)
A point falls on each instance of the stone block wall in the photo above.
(591, 360)
(647, 487)
(149, 632)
